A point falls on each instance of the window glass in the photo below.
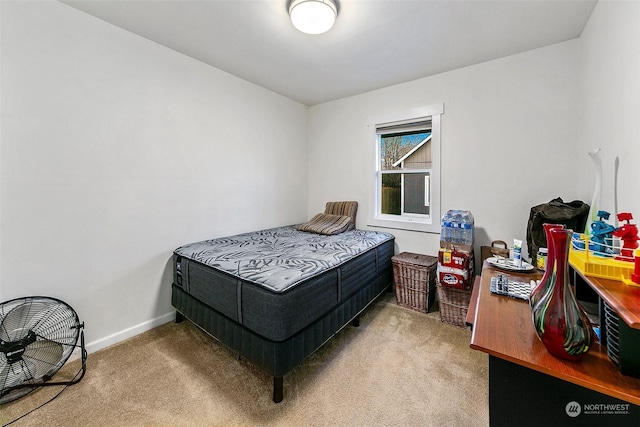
(405, 163)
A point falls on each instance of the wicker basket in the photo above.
(454, 304)
(414, 276)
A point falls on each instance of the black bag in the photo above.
(573, 215)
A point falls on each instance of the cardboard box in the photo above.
(457, 246)
(456, 268)
(454, 278)
(454, 258)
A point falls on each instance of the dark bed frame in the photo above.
(278, 358)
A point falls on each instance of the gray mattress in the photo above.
(279, 281)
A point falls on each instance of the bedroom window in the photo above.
(407, 170)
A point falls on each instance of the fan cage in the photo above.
(37, 337)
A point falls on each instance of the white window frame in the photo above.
(376, 218)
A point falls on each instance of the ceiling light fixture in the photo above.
(313, 16)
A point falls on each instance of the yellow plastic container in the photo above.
(589, 264)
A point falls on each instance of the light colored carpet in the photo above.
(399, 368)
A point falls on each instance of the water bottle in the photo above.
(446, 227)
(445, 233)
(457, 227)
(458, 223)
(466, 231)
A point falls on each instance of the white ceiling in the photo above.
(374, 43)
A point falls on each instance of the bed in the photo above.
(275, 296)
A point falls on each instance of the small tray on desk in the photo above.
(509, 264)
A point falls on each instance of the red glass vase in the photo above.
(560, 322)
(543, 287)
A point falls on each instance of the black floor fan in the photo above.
(37, 336)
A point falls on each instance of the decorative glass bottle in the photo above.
(543, 287)
(561, 324)
(595, 201)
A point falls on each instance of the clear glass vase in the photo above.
(560, 322)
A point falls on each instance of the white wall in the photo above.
(610, 101)
(509, 132)
(115, 151)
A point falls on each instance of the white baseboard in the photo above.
(123, 335)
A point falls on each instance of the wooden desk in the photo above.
(519, 363)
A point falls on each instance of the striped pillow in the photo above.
(348, 208)
(326, 224)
